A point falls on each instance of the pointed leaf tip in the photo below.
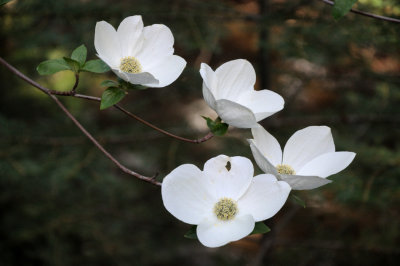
(79, 54)
(342, 7)
(111, 96)
(298, 200)
(260, 228)
(191, 234)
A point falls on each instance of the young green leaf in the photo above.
(52, 66)
(95, 66)
(3, 2)
(260, 228)
(342, 7)
(191, 234)
(130, 86)
(73, 64)
(216, 126)
(298, 201)
(109, 83)
(136, 87)
(79, 54)
(111, 96)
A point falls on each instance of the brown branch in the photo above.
(366, 13)
(119, 107)
(76, 122)
(76, 83)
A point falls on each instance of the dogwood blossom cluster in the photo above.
(225, 199)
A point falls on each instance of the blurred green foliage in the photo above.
(64, 203)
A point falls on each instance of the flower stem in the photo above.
(328, 2)
(119, 107)
(76, 122)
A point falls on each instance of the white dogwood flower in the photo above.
(229, 91)
(224, 200)
(137, 54)
(308, 157)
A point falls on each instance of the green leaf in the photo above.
(3, 2)
(191, 234)
(342, 7)
(95, 66)
(52, 66)
(79, 54)
(298, 201)
(260, 228)
(136, 87)
(73, 64)
(109, 83)
(111, 96)
(130, 86)
(216, 126)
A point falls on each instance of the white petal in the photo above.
(208, 76)
(215, 233)
(107, 44)
(235, 114)
(327, 164)
(262, 103)
(129, 33)
(265, 165)
(267, 144)
(109, 63)
(185, 194)
(209, 97)
(209, 84)
(167, 71)
(158, 43)
(264, 198)
(234, 78)
(138, 78)
(299, 182)
(232, 183)
(306, 144)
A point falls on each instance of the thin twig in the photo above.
(119, 107)
(366, 13)
(76, 82)
(62, 107)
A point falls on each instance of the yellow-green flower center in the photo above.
(225, 209)
(285, 169)
(130, 64)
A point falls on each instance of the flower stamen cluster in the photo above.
(130, 64)
(225, 209)
(285, 169)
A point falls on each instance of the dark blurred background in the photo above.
(64, 203)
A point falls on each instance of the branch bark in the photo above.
(79, 125)
(394, 20)
(119, 107)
